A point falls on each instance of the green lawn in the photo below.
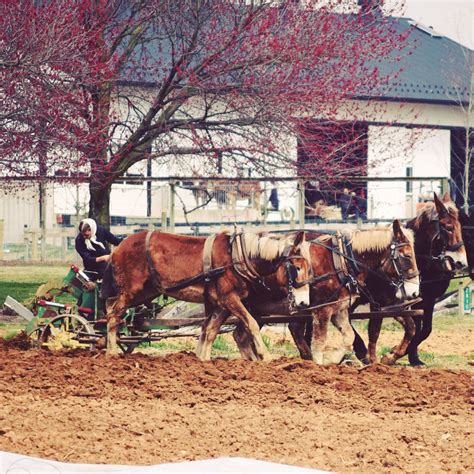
(21, 282)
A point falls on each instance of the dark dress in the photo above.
(88, 256)
(345, 202)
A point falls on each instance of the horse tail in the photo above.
(109, 287)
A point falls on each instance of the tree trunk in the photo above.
(99, 204)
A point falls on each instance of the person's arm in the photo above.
(110, 238)
(81, 249)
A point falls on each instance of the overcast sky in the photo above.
(454, 19)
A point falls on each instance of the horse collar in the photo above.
(155, 279)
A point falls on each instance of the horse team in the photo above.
(325, 276)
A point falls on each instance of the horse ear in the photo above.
(397, 229)
(440, 207)
(446, 197)
(299, 239)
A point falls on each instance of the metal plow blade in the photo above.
(19, 309)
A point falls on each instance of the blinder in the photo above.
(292, 274)
(401, 264)
(443, 234)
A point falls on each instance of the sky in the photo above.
(454, 19)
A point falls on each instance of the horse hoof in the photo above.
(415, 361)
(350, 360)
(388, 359)
(362, 356)
(112, 352)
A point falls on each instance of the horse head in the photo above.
(449, 232)
(278, 263)
(295, 270)
(467, 225)
(298, 270)
(386, 257)
(402, 263)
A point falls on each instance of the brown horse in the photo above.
(340, 272)
(439, 252)
(217, 271)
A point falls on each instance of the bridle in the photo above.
(441, 234)
(396, 259)
(291, 273)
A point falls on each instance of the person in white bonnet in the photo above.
(92, 245)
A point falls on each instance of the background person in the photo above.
(92, 245)
(345, 202)
(274, 201)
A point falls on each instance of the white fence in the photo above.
(200, 205)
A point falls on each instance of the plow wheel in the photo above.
(64, 332)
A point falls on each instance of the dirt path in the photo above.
(83, 407)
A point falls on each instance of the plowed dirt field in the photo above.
(142, 409)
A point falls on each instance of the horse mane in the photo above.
(270, 246)
(429, 213)
(376, 240)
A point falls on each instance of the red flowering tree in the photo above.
(41, 60)
(173, 78)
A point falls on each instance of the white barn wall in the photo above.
(20, 211)
(408, 113)
(428, 154)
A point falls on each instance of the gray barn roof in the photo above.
(433, 68)
(438, 70)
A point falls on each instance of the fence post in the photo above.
(1, 239)
(444, 185)
(63, 247)
(34, 245)
(301, 203)
(26, 241)
(172, 205)
(265, 203)
(462, 303)
(163, 221)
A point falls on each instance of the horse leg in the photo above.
(359, 346)
(341, 321)
(210, 329)
(116, 308)
(320, 332)
(412, 349)
(236, 307)
(400, 350)
(298, 331)
(423, 330)
(244, 342)
(375, 326)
